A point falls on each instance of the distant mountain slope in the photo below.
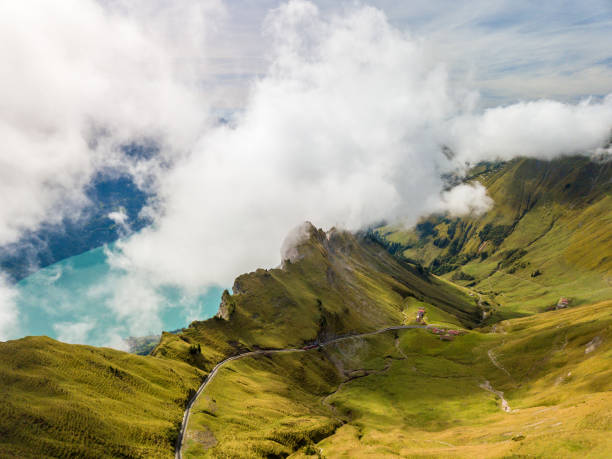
(63, 400)
(549, 235)
(337, 283)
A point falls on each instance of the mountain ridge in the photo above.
(402, 392)
(342, 283)
(546, 219)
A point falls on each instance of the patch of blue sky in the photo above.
(504, 20)
(605, 62)
(482, 39)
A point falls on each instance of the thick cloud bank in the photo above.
(464, 199)
(544, 129)
(80, 79)
(346, 128)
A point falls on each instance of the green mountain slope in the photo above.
(512, 383)
(63, 400)
(549, 235)
(338, 283)
(409, 394)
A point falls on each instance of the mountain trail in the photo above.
(399, 349)
(215, 370)
(495, 362)
(504, 403)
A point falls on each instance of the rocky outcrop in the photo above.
(227, 306)
(290, 249)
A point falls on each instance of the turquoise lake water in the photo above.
(83, 300)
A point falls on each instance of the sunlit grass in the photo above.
(426, 400)
(61, 400)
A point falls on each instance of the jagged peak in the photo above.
(226, 308)
(290, 249)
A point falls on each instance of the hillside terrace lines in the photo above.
(215, 370)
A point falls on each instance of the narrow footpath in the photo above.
(504, 403)
(215, 370)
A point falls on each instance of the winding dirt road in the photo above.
(215, 370)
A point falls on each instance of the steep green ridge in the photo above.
(410, 394)
(337, 283)
(548, 235)
(64, 400)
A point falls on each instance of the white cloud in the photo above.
(114, 340)
(137, 302)
(8, 310)
(508, 50)
(339, 131)
(120, 218)
(78, 80)
(73, 332)
(292, 240)
(345, 129)
(82, 333)
(543, 128)
(131, 298)
(464, 199)
(513, 50)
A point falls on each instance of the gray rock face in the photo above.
(226, 308)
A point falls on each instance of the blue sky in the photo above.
(507, 50)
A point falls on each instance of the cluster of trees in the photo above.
(452, 258)
(495, 233)
(195, 349)
(394, 248)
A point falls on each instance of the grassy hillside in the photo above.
(338, 283)
(63, 400)
(549, 235)
(514, 384)
(411, 394)
(267, 406)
